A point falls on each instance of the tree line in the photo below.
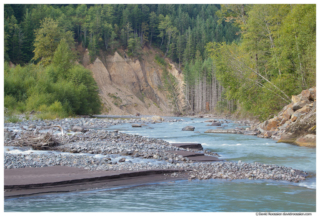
(244, 58)
(180, 31)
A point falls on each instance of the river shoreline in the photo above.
(99, 150)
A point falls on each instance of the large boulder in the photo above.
(215, 124)
(304, 109)
(295, 99)
(287, 114)
(300, 104)
(272, 124)
(287, 138)
(297, 131)
(188, 128)
(313, 95)
(308, 140)
(306, 94)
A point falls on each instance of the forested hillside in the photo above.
(179, 30)
(235, 58)
(275, 58)
(33, 32)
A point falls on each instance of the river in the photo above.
(215, 195)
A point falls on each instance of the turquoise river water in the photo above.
(213, 195)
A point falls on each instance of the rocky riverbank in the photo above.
(86, 143)
(223, 170)
(295, 123)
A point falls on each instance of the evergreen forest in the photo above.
(245, 59)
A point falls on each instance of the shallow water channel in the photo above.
(214, 195)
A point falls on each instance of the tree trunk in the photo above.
(168, 45)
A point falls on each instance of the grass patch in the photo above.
(160, 61)
(13, 119)
(156, 105)
(47, 115)
(115, 99)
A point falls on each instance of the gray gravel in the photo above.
(126, 152)
(223, 170)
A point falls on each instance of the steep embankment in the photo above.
(296, 123)
(130, 86)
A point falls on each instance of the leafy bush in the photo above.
(54, 92)
(9, 102)
(21, 107)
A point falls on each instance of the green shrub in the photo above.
(21, 107)
(10, 102)
(36, 100)
(55, 110)
(56, 107)
(56, 90)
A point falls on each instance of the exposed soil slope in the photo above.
(130, 86)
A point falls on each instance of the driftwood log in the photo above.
(39, 142)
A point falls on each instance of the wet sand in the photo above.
(56, 179)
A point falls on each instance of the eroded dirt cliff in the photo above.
(130, 86)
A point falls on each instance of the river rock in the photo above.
(157, 118)
(78, 129)
(188, 128)
(221, 131)
(32, 126)
(252, 133)
(210, 120)
(9, 135)
(136, 125)
(122, 160)
(267, 134)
